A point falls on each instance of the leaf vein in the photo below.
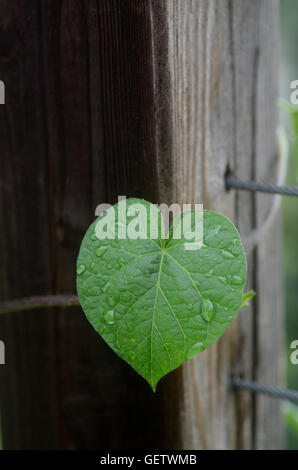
(176, 318)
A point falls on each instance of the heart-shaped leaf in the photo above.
(156, 302)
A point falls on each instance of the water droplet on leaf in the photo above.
(81, 269)
(109, 317)
(209, 310)
(227, 254)
(101, 250)
(105, 287)
(212, 236)
(195, 349)
(236, 280)
(235, 247)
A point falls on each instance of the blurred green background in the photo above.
(289, 72)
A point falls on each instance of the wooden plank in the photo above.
(202, 142)
(270, 314)
(77, 130)
(245, 46)
(28, 399)
(216, 108)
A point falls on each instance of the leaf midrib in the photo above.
(153, 315)
(163, 252)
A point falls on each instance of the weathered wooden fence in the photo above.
(144, 98)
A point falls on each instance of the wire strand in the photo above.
(275, 392)
(255, 186)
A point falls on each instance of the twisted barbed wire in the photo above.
(275, 392)
(256, 186)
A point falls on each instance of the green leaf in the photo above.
(155, 302)
(246, 298)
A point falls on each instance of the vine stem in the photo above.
(43, 301)
(283, 151)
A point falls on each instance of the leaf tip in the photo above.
(153, 385)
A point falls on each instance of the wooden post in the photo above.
(143, 98)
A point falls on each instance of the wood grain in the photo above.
(78, 129)
(138, 98)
